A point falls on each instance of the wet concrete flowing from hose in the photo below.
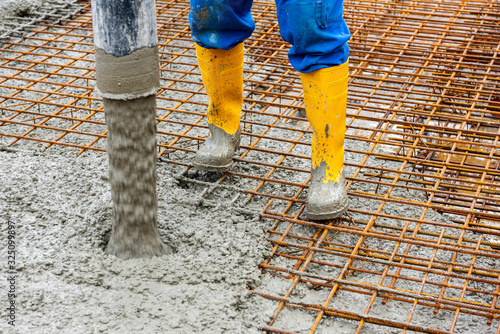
(132, 172)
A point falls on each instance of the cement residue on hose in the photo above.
(62, 210)
(128, 77)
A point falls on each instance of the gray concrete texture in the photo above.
(128, 77)
(17, 15)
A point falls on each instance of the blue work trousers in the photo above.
(315, 29)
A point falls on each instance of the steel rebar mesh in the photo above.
(421, 236)
(24, 17)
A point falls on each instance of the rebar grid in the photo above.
(27, 19)
(421, 236)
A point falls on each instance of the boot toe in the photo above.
(212, 161)
(326, 201)
(216, 153)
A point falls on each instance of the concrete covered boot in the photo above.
(222, 74)
(325, 98)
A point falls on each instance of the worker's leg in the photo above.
(317, 32)
(219, 28)
(319, 51)
(220, 24)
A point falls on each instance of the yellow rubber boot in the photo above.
(325, 98)
(222, 74)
